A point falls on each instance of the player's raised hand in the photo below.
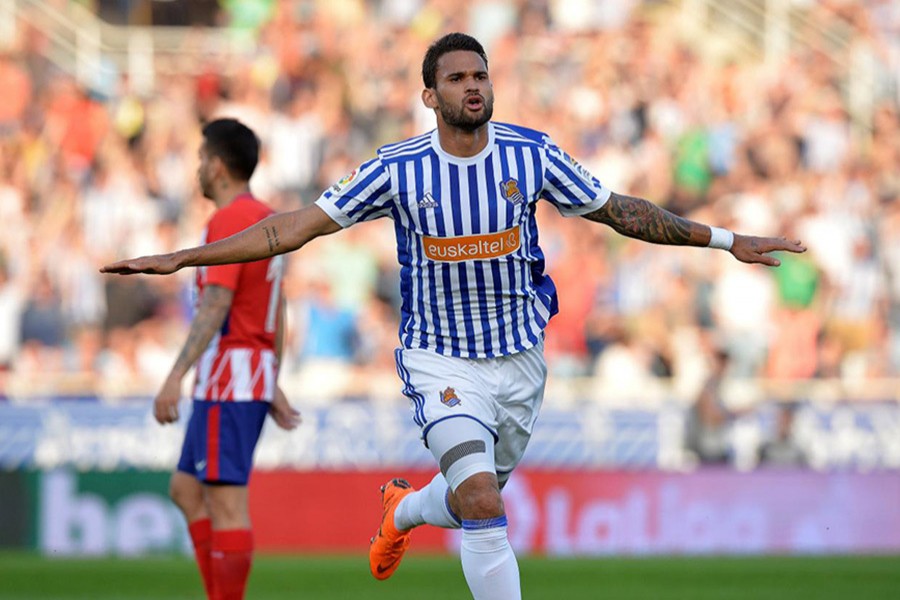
(750, 249)
(158, 264)
(285, 416)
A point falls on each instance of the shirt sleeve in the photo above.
(363, 195)
(223, 224)
(569, 186)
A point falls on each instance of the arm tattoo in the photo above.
(643, 220)
(272, 237)
(210, 315)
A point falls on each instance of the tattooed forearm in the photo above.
(643, 220)
(272, 237)
(210, 315)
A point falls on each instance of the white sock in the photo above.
(488, 561)
(427, 505)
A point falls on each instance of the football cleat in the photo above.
(388, 546)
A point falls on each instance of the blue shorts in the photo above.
(220, 440)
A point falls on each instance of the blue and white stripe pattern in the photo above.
(481, 524)
(487, 295)
(417, 399)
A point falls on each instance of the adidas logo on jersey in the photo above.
(428, 201)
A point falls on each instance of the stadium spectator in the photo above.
(708, 428)
(17, 87)
(42, 318)
(783, 448)
(12, 303)
(324, 344)
(296, 143)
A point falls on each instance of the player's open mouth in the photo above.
(474, 102)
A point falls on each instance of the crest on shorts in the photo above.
(509, 188)
(344, 181)
(449, 397)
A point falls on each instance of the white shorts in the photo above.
(502, 394)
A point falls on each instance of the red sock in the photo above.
(232, 553)
(201, 536)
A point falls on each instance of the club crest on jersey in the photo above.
(345, 181)
(449, 397)
(427, 201)
(510, 190)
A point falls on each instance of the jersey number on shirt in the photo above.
(274, 274)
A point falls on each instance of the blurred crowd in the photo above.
(93, 173)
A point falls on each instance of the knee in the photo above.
(479, 498)
(187, 494)
(228, 507)
(222, 508)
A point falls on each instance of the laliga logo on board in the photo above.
(510, 191)
(449, 397)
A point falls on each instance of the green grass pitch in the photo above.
(32, 577)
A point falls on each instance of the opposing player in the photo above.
(236, 334)
(475, 295)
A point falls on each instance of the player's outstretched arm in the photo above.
(277, 234)
(641, 219)
(752, 249)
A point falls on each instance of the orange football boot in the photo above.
(389, 544)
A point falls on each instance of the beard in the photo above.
(206, 187)
(461, 118)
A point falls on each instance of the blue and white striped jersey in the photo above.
(472, 274)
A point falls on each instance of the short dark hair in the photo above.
(235, 144)
(449, 43)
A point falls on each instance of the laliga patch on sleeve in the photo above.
(346, 180)
(582, 172)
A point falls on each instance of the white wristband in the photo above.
(720, 238)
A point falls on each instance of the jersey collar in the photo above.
(459, 160)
